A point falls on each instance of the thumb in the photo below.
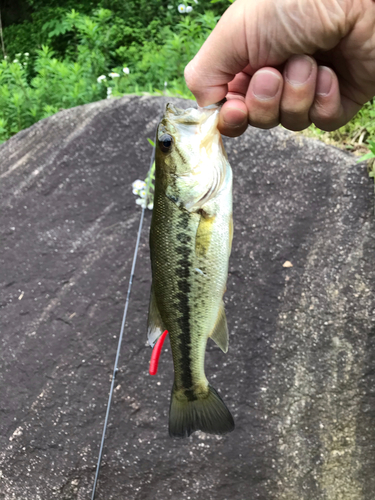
(253, 34)
(220, 58)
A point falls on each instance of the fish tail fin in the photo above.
(204, 411)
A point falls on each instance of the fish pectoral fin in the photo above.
(204, 235)
(155, 325)
(220, 332)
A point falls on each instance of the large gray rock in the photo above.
(299, 376)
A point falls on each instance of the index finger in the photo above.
(207, 76)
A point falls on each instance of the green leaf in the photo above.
(365, 157)
(151, 142)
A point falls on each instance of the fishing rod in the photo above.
(115, 369)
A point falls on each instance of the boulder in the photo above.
(299, 375)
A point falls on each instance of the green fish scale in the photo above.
(188, 301)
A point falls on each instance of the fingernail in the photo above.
(298, 69)
(265, 84)
(324, 81)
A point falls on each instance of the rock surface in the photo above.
(299, 376)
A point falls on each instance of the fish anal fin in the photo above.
(220, 332)
(155, 325)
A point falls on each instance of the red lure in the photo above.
(156, 353)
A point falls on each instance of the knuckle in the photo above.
(325, 117)
(233, 131)
(295, 121)
(296, 126)
(264, 122)
(191, 78)
(327, 126)
(295, 108)
(264, 114)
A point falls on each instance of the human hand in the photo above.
(293, 62)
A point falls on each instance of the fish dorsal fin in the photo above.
(220, 332)
(155, 325)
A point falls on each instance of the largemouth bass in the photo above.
(190, 242)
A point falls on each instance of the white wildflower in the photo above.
(101, 78)
(26, 54)
(15, 60)
(141, 202)
(165, 85)
(196, 1)
(189, 9)
(109, 92)
(126, 71)
(181, 8)
(139, 188)
(113, 75)
(138, 184)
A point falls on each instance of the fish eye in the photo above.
(165, 142)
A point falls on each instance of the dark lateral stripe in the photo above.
(184, 265)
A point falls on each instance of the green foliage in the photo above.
(70, 52)
(354, 135)
(222, 1)
(158, 65)
(56, 85)
(360, 129)
(370, 155)
(370, 158)
(28, 36)
(95, 64)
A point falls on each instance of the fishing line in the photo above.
(115, 369)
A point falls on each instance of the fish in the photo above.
(190, 242)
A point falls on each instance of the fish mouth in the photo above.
(171, 108)
(191, 123)
(191, 116)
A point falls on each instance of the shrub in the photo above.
(57, 85)
(95, 65)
